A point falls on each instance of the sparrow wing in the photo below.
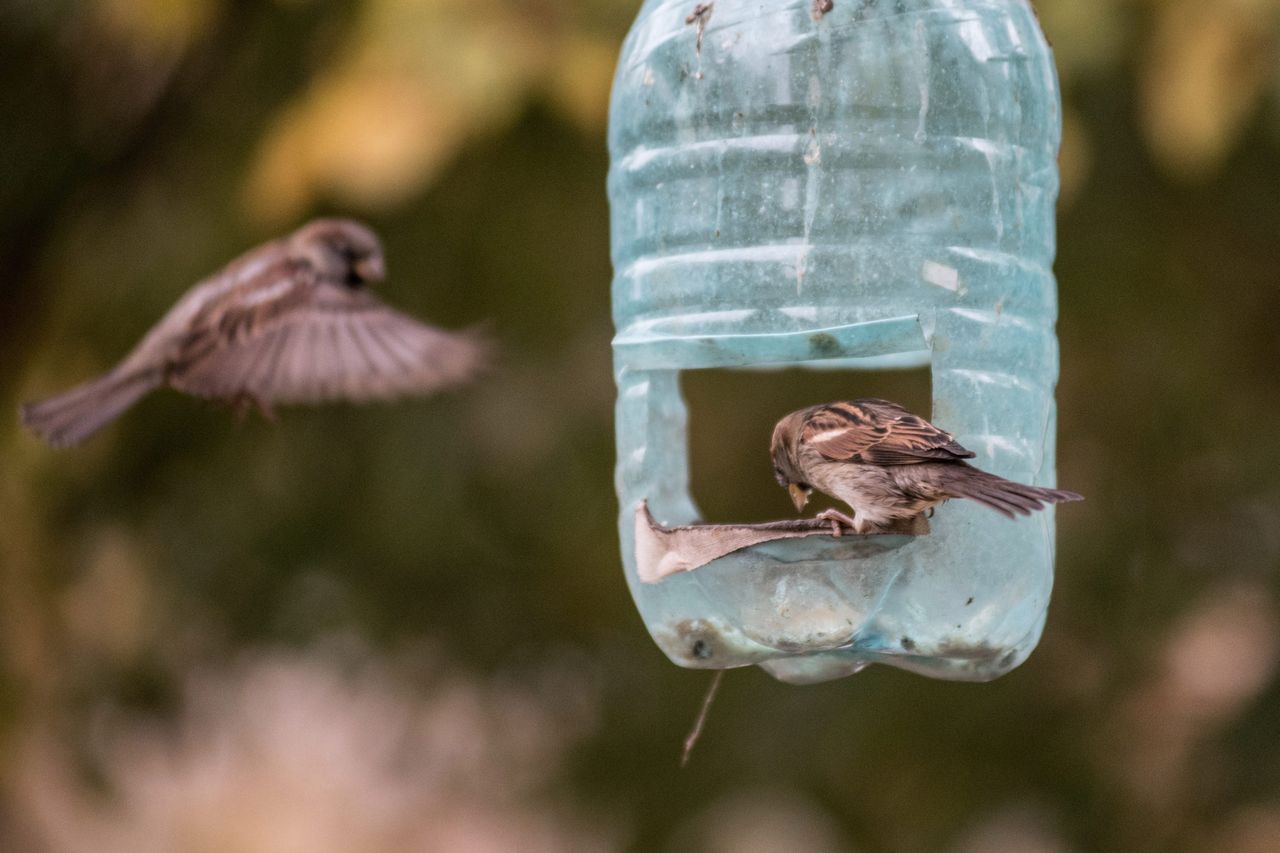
(291, 338)
(877, 432)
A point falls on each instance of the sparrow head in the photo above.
(340, 249)
(786, 459)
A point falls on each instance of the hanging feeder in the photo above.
(864, 185)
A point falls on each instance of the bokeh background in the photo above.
(405, 628)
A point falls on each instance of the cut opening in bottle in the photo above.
(731, 418)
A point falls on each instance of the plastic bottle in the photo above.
(872, 185)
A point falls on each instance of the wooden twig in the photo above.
(696, 732)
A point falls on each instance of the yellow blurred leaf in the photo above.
(1207, 70)
(417, 81)
(368, 139)
(580, 80)
(1087, 35)
(156, 26)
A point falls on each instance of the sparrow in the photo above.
(887, 464)
(291, 321)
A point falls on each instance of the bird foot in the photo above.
(244, 402)
(838, 521)
(264, 409)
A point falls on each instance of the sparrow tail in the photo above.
(74, 415)
(1004, 496)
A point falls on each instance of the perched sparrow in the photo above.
(288, 322)
(887, 464)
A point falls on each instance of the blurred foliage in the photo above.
(183, 584)
(429, 77)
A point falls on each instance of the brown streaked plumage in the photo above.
(887, 464)
(288, 322)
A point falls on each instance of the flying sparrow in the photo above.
(288, 322)
(886, 464)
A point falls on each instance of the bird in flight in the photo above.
(291, 321)
(887, 464)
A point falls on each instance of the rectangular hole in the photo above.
(731, 418)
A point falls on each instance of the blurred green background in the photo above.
(406, 628)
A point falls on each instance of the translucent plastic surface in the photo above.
(873, 187)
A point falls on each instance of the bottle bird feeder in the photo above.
(866, 184)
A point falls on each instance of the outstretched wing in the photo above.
(295, 339)
(877, 432)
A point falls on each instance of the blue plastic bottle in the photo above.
(873, 186)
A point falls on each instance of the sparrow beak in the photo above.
(799, 496)
(370, 268)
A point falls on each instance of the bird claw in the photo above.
(264, 409)
(243, 402)
(838, 521)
